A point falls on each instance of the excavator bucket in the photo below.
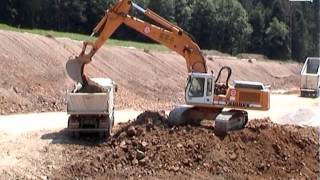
(75, 68)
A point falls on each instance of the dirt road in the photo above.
(24, 123)
(31, 143)
(285, 109)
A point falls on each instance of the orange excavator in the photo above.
(205, 95)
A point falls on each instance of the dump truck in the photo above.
(310, 78)
(91, 108)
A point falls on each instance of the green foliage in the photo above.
(164, 8)
(81, 37)
(277, 39)
(258, 21)
(221, 24)
(183, 14)
(277, 28)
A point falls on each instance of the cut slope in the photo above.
(34, 78)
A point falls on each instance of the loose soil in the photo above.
(149, 149)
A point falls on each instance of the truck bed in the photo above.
(87, 103)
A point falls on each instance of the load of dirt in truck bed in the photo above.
(33, 77)
(148, 148)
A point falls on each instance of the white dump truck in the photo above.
(310, 78)
(91, 109)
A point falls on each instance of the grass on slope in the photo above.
(81, 37)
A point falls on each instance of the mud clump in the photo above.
(148, 148)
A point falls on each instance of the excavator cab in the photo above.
(200, 89)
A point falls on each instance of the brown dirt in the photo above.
(148, 149)
(33, 78)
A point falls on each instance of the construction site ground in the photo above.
(35, 146)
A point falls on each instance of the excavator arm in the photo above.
(166, 34)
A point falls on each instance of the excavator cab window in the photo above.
(209, 87)
(196, 87)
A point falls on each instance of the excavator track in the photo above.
(224, 121)
(187, 114)
(230, 121)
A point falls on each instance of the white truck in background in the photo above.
(91, 110)
(310, 77)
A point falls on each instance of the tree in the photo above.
(222, 25)
(299, 36)
(164, 8)
(277, 39)
(232, 26)
(183, 14)
(201, 24)
(258, 21)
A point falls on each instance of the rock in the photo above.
(218, 147)
(135, 162)
(252, 60)
(143, 146)
(262, 167)
(139, 131)
(206, 165)
(44, 177)
(277, 148)
(179, 145)
(131, 155)
(99, 158)
(149, 126)
(301, 144)
(233, 156)
(174, 168)
(123, 145)
(144, 161)
(140, 155)
(131, 131)
(119, 166)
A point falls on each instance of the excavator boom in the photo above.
(167, 34)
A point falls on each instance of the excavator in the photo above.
(206, 96)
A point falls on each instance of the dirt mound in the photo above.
(33, 74)
(146, 148)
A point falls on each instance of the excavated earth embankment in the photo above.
(33, 77)
(147, 148)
